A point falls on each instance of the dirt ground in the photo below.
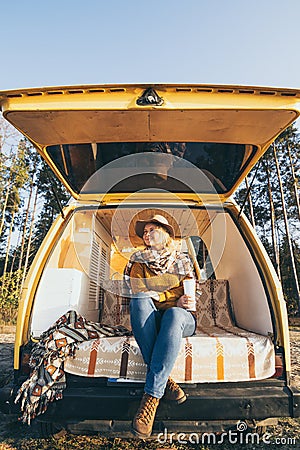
(14, 435)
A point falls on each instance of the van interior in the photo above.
(234, 340)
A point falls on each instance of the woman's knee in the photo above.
(175, 314)
(179, 319)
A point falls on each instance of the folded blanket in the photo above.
(47, 380)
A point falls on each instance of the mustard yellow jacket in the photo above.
(168, 285)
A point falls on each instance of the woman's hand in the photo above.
(183, 301)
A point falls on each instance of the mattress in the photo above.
(219, 351)
(213, 355)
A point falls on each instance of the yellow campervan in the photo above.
(127, 152)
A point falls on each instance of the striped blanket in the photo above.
(47, 380)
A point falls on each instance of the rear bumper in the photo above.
(204, 403)
(218, 402)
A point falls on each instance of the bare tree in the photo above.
(250, 203)
(286, 224)
(273, 221)
(8, 248)
(29, 238)
(295, 180)
(6, 192)
(26, 219)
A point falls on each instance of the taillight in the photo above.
(279, 365)
(25, 353)
(24, 367)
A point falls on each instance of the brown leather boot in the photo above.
(174, 393)
(143, 421)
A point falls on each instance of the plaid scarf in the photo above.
(47, 380)
(159, 262)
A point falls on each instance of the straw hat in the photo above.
(161, 220)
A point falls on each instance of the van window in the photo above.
(221, 164)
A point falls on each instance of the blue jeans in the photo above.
(158, 334)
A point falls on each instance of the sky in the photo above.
(75, 42)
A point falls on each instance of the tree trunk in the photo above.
(24, 228)
(29, 238)
(7, 252)
(23, 240)
(273, 220)
(294, 180)
(15, 253)
(4, 208)
(9, 184)
(250, 204)
(288, 236)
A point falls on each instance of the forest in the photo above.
(31, 198)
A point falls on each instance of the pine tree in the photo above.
(275, 199)
(47, 185)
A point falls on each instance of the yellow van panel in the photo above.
(185, 113)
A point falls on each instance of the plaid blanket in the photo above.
(47, 380)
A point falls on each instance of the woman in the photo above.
(158, 313)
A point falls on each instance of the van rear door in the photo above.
(80, 130)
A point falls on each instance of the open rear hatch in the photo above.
(95, 138)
